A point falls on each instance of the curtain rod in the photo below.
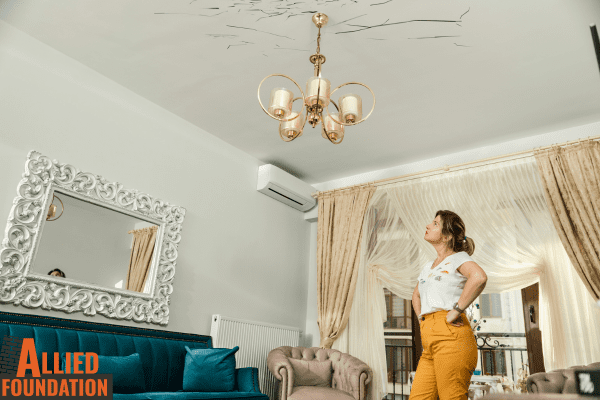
(447, 168)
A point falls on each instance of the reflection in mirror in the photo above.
(96, 245)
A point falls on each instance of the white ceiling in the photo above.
(473, 74)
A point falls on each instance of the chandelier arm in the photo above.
(336, 106)
(303, 105)
(318, 93)
(62, 206)
(352, 123)
(263, 107)
(305, 117)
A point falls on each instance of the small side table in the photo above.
(492, 381)
(477, 391)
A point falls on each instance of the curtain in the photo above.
(571, 179)
(505, 213)
(389, 258)
(339, 231)
(141, 257)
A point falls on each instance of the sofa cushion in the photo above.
(191, 396)
(319, 393)
(127, 372)
(246, 380)
(209, 370)
(312, 373)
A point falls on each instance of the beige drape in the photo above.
(339, 234)
(141, 257)
(571, 180)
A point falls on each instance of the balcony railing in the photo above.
(492, 356)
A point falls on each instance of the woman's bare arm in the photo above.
(416, 301)
(476, 281)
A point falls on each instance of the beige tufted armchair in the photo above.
(315, 373)
(557, 381)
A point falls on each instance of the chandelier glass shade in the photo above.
(318, 97)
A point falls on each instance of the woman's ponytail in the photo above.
(468, 246)
(453, 226)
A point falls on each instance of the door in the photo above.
(533, 335)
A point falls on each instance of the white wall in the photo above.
(242, 254)
(529, 143)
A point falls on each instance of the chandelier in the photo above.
(317, 99)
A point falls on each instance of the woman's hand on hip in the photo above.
(453, 318)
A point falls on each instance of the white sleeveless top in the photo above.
(442, 286)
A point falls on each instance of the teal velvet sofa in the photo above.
(162, 353)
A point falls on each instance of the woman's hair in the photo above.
(453, 226)
(60, 273)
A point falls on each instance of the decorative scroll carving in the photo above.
(21, 237)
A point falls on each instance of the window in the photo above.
(398, 312)
(490, 305)
(494, 362)
(398, 338)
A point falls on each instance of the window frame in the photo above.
(407, 317)
(493, 299)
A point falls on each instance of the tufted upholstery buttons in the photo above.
(557, 381)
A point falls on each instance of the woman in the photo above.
(447, 286)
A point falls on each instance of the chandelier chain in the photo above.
(319, 41)
(319, 53)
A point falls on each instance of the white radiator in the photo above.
(256, 340)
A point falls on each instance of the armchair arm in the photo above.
(546, 382)
(247, 379)
(352, 376)
(282, 370)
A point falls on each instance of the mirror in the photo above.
(115, 248)
(75, 238)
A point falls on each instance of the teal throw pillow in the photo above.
(127, 372)
(209, 370)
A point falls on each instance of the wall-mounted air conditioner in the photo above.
(286, 188)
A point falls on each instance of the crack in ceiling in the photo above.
(290, 8)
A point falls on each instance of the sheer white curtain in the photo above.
(389, 258)
(505, 213)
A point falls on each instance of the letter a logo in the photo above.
(28, 352)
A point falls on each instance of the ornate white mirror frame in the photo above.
(19, 286)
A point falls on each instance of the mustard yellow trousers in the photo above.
(448, 360)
